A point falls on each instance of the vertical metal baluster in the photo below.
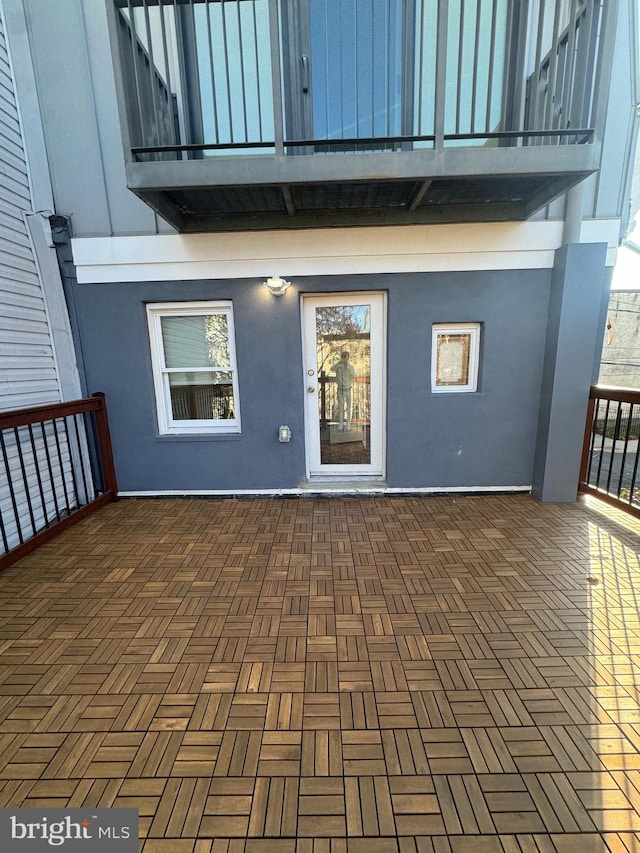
(592, 437)
(242, 74)
(625, 449)
(61, 463)
(418, 127)
(460, 62)
(492, 58)
(97, 474)
(388, 101)
(441, 74)
(212, 72)
(93, 476)
(12, 491)
(634, 475)
(3, 535)
(276, 81)
(51, 476)
(604, 434)
(373, 65)
(227, 72)
(570, 65)
(257, 70)
(476, 51)
(326, 77)
(356, 64)
(595, 403)
(72, 467)
(515, 109)
(537, 95)
(157, 108)
(616, 429)
(583, 72)
(3, 531)
(549, 120)
(38, 475)
(74, 420)
(167, 66)
(134, 61)
(342, 62)
(25, 480)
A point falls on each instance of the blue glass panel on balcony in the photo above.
(356, 68)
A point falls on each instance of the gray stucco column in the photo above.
(579, 286)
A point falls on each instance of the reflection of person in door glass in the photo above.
(345, 374)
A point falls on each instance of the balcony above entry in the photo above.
(241, 114)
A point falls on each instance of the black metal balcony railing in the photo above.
(212, 77)
(56, 466)
(611, 452)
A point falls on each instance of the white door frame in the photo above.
(315, 469)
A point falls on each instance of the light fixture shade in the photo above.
(276, 285)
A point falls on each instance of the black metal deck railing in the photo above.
(212, 77)
(56, 466)
(611, 451)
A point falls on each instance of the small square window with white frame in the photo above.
(194, 367)
(455, 357)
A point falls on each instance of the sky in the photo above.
(626, 273)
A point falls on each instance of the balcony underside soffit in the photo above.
(375, 201)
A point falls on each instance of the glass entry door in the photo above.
(344, 391)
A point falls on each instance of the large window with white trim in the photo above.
(194, 367)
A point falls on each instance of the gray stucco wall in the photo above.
(481, 439)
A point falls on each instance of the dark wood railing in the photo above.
(610, 466)
(56, 467)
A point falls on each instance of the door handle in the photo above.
(305, 73)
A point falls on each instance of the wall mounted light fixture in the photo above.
(276, 285)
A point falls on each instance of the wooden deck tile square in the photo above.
(362, 753)
(355, 676)
(322, 753)
(395, 710)
(280, 754)
(238, 754)
(221, 678)
(274, 811)
(248, 711)
(321, 711)
(368, 806)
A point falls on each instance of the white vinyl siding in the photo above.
(28, 374)
(28, 370)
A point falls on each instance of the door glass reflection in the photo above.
(343, 342)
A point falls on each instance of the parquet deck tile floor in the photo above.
(382, 675)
